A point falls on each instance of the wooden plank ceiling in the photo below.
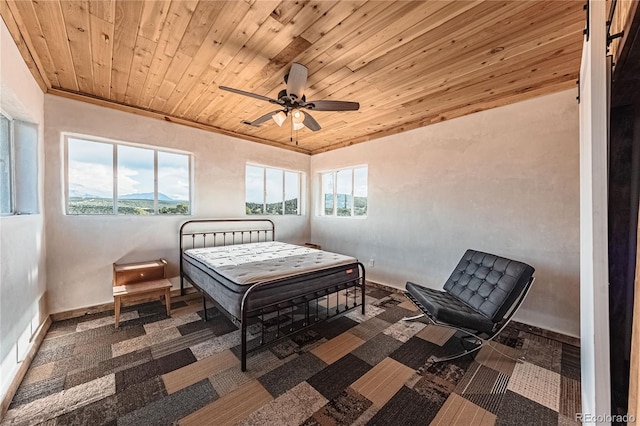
(408, 63)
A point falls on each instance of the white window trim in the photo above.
(264, 190)
(12, 173)
(64, 140)
(320, 210)
(23, 202)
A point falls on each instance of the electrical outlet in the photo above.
(372, 262)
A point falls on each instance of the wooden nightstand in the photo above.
(141, 280)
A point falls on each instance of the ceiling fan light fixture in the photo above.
(297, 116)
(279, 118)
(298, 126)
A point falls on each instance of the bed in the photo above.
(276, 288)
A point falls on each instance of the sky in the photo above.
(255, 179)
(91, 170)
(344, 182)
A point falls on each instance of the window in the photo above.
(6, 181)
(344, 192)
(18, 167)
(112, 178)
(272, 191)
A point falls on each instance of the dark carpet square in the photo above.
(394, 314)
(102, 412)
(570, 362)
(167, 410)
(415, 352)
(211, 312)
(376, 293)
(218, 324)
(151, 308)
(378, 348)
(510, 337)
(175, 360)
(438, 380)
(543, 352)
(342, 410)
(457, 345)
(178, 304)
(33, 391)
(335, 327)
(140, 394)
(406, 407)
(138, 374)
(77, 377)
(517, 410)
(285, 348)
(306, 338)
(332, 380)
(299, 369)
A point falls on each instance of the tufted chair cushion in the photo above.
(487, 283)
(445, 308)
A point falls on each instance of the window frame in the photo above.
(12, 168)
(284, 189)
(24, 163)
(65, 136)
(334, 173)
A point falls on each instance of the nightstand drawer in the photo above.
(138, 272)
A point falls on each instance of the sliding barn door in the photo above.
(594, 281)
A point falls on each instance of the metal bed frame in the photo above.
(272, 315)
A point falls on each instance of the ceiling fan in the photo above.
(292, 100)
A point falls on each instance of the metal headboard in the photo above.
(199, 233)
(224, 232)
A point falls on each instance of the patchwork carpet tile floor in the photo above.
(371, 369)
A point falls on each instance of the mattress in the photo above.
(225, 273)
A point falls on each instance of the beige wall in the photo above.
(81, 249)
(504, 181)
(22, 248)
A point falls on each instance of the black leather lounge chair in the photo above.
(479, 298)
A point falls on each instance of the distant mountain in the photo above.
(145, 196)
(79, 194)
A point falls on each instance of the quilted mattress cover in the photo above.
(248, 264)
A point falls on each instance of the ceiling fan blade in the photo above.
(297, 80)
(258, 121)
(332, 106)
(310, 122)
(251, 95)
